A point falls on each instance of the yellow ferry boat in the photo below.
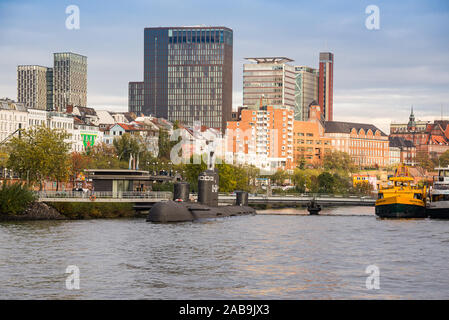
(401, 199)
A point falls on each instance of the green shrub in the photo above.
(93, 210)
(15, 198)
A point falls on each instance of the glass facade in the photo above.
(69, 80)
(188, 74)
(271, 79)
(306, 91)
(49, 76)
(135, 97)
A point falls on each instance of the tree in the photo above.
(424, 161)
(363, 187)
(342, 183)
(326, 183)
(128, 145)
(338, 160)
(301, 180)
(192, 170)
(279, 177)
(40, 153)
(79, 162)
(103, 156)
(165, 145)
(252, 173)
(444, 159)
(227, 176)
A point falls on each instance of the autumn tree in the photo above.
(279, 177)
(424, 161)
(40, 153)
(79, 162)
(103, 156)
(338, 160)
(128, 145)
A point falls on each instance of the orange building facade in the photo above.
(310, 142)
(270, 139)
(262, 137)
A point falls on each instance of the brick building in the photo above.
(367, 145)
(309, 142)
(429, 138)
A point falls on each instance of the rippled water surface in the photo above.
(252, 257)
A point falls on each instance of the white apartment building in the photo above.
(85, 136)
(13, 115)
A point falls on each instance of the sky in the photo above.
(378, 74)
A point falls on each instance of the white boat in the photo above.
(438, 206)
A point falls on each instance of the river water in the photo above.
(251, 257)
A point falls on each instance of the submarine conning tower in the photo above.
(241, 198)
(208, 188)
(181, 209)
(181, 191)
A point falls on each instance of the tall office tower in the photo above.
(135, 97)
(326, 84)
(69, 80)
(188, 74)
(49, 77)
(32, 86)
(306, 91)
(270, 78)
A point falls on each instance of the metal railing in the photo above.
(306, 195)
(105, 194)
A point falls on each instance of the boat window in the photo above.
(440, 197)
(444, 173)
(380, 196)
(418, 196)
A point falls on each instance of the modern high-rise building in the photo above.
(271, 79)
(69, 80)
(306, 91)
(326, 84)
(188, 74)
(50, 106)
(32, 86)
(135, 97)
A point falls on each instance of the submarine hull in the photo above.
(172, 211)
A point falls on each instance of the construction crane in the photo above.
(12, 134)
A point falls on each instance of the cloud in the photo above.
(378, 75)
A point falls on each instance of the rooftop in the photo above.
(278, 60)
(346, 127)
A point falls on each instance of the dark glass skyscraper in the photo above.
(135, 97)
(188, 74)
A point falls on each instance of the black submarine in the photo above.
(181, 209)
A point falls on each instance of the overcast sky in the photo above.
(378, 74)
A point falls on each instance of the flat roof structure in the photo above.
(279, 60)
